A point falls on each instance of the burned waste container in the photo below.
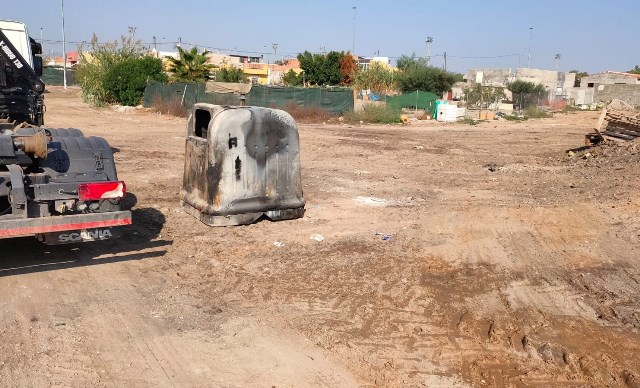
(241, 163)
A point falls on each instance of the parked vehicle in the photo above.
(56, 184)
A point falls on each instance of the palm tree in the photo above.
(190, 66)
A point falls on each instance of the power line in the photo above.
(51, 41)
(484, 57)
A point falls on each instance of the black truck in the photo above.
(55, 184)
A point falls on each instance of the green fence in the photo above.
(54, 76)
(419, 99)
(338, 100)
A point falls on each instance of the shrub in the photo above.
(515, 118)
(535, 113)
(126, 80)
(98, 61)
(231, 74)
(468, 120)
(116, 72)
(291, 78)
(309, 114)
(376, 114)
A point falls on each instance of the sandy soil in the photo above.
(510, 263)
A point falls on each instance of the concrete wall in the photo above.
(581, 96)
(224, 60)
(489, 76)
(608, 79)
(627, 93)
(548, 78)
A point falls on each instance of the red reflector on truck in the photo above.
(101, 190)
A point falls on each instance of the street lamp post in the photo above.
(353, 42)
(530, 38)
(64, 48)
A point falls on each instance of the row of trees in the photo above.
(340, 68)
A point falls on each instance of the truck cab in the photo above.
(30, 50)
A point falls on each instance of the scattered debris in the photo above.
(279, 244)
(618, 153)
(614, 126)
(492, 167)
(385, 236)
(617, 104)
(317, 237)
(373, 201)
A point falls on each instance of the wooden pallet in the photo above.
(615, 125)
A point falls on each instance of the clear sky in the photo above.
(589, 35)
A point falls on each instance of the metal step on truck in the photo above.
(55, 184)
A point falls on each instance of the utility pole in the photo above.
(41, 40)
(445, 61)
(275, 51)
(429, 41)
(64, 48)
(530, 38)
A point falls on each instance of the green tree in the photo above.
(231, 74)
(190, 66)
(527, 94)
(579, 75)
(457, 77)
(376, 78)
(126, 80)
(521, 86)
(635, 70)
(406, 62)
(291, 78)
(428, 79)
(416, 75)
(322, 69)
(489, 94)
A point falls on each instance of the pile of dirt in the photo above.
(618, 104)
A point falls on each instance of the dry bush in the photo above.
(309, 114)
(171, 107)
(375, 114)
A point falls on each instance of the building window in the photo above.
(590, 85)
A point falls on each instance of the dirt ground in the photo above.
(510, 263)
